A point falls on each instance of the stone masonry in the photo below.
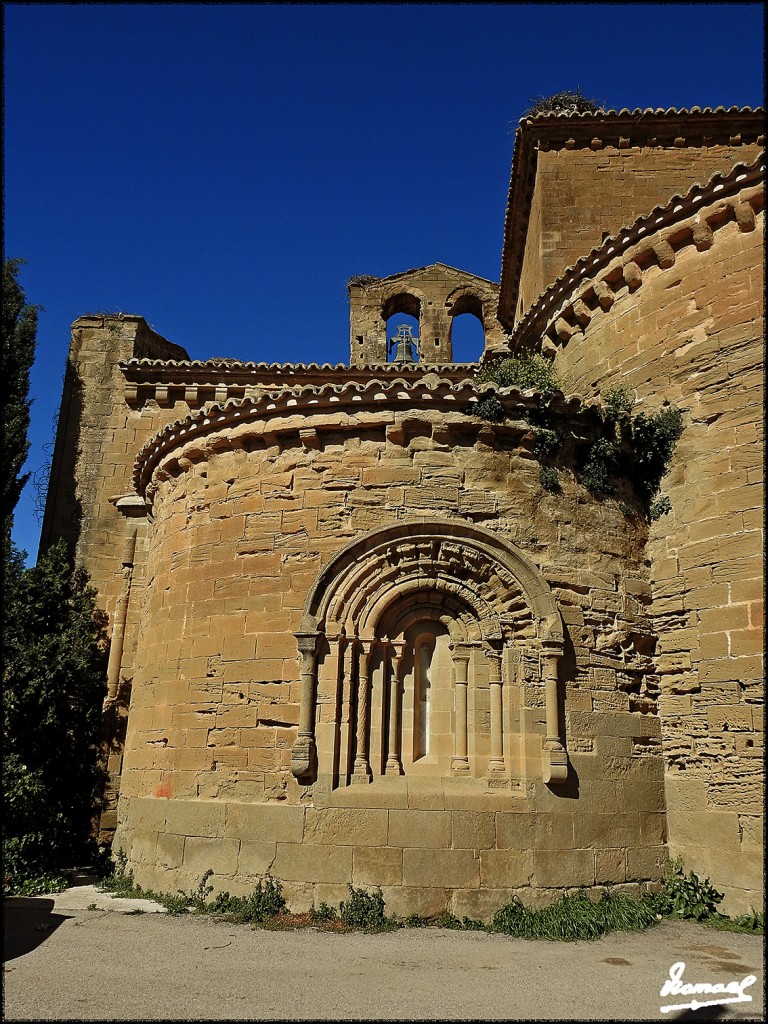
(353, 639)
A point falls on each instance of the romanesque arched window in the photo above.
(418, 643)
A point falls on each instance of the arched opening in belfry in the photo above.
(467, 333)
(401, 314)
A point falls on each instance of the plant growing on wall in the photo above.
(623, 450)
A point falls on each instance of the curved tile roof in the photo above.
(587, 115)
(351, 397)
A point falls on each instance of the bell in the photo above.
(403, 342)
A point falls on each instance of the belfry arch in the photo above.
(406, 642)
(433, 295)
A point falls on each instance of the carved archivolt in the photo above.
(476, 586)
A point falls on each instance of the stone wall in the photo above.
(245, 518)
(684, 323)
(576, 181)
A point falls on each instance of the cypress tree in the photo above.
(54, 656)
(19, 334)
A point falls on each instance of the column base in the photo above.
(393, 769)
(459, 764)
(361, 774)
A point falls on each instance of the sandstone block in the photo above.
(195, 818)
(450, 869)
(200, 855)
(606, 831)
(504, 869)
(647, 863)
(610, 866)
(346, 826)
(425, 794)
(296, 862)
(551, 866)
(639, 795)
(255, 859)
(411, 828)
(264, 823)
(402, 901)
(377, 866)
(515, 830)
(473, 830)
(148, 814)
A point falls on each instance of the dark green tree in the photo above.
(54, 654)
(19, 334)
(54, 684)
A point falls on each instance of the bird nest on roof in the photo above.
(562, 103)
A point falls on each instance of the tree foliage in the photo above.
(54, 654)
(19, 333)
(54, 682)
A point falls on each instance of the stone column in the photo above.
(121, 617)
(554, 755)
(496, 760)
(361, 771)
(396, 651)
(303, 748)
(460, 761)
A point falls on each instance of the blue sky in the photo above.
(222, 170)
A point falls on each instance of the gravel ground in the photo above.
(64, 961)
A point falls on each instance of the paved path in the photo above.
(67, 962)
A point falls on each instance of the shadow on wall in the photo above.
(63, 510)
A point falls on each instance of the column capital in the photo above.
(460, 651)
(307, 642)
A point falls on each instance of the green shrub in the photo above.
(654, 438)
(120, 882)
(416, 921)
(752, 923)
(448, 920)
(527, 372)
(660, 507)
(264, 902)
(617, 401)
(37, 885)
(686, 896)
(54, 683)
(575, 916)
(323, 913)
(546, 443)
(601, 467)
(363, 909)
(488, 408)
(549, 479)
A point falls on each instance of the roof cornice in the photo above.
(673, 128)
